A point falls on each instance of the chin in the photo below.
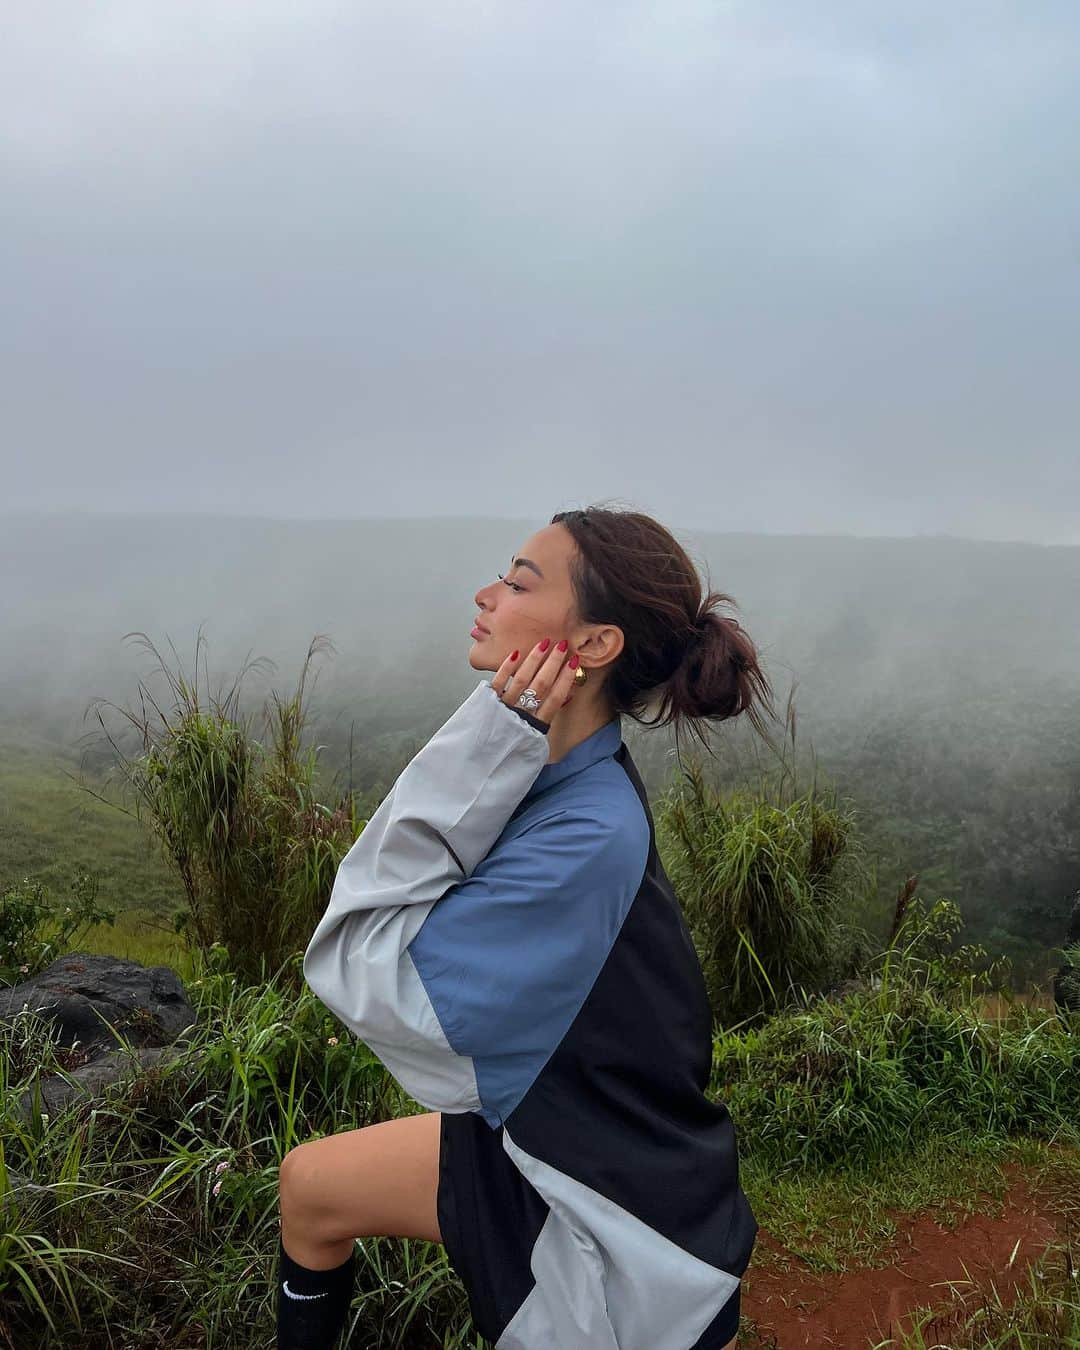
(478, 660)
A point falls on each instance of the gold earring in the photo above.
(580, 676)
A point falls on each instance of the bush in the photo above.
(149, 1217)
(873, 1073)
(918, 953)
(764, 880)
(255, 850)
(33, 931)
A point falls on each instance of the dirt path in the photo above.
(802, 1310)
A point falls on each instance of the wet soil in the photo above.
(928, 1265)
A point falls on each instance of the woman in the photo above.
(503, 936)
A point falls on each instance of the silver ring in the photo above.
(528, 700)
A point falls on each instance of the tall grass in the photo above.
(768, 875)
(237, 817)
(154, 1220)
(154, 1217)
(879, 1072)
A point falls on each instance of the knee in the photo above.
(299, 1182)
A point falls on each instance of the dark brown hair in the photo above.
(701, 665)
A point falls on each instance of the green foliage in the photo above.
(154, 1210)
(766, 878)
(919, 955)
(909, 1058)
(992, 820)
(34, 930)
(240, 821)
(1069, 978)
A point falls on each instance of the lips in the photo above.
(482, 628)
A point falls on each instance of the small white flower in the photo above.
(23, 970)
(332, 1041)
(220, 1168)
(217, 1187)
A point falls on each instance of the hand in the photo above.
(547, 672)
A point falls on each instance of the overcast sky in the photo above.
(777, 266)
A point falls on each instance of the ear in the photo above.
(604, 643)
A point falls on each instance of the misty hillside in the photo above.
(859, 622)
(938, 679)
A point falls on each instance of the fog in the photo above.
(861, 625)
(773, 269)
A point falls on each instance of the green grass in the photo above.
(879, 1073)
(130, 1234)
(849, 1112)
(844, 1218)
(48, 824)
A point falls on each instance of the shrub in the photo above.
(240, 821)
(34, 931)
(764, 880)
(910, 1056)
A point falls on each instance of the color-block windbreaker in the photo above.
(504, 938)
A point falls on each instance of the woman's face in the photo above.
(534, 600)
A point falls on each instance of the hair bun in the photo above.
(695, 631)
(681, 653)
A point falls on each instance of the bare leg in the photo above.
(379, 1181)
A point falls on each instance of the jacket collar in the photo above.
(602, 742)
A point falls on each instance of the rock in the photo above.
(89, 999)
(55, 1092)
(87, 996)
(837, 992)
(23, 1186)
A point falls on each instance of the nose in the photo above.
(481, 597)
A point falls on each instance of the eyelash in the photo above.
(510, 583)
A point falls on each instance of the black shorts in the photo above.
(490, 1217)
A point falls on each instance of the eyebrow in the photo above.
(526, 562)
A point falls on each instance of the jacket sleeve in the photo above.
(508, 956)
(445, 811)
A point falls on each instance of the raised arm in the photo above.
(442, 816)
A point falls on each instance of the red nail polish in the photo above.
(562, 646)
(544, 644)
(573, 662)
(513, 656)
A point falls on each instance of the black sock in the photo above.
(312, 1305)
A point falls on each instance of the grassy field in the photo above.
(49, 821)
(157, 1213)
(155, 1221)
(52, 819)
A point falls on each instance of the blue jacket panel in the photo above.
(508, 956)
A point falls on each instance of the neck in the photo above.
(574, 724)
